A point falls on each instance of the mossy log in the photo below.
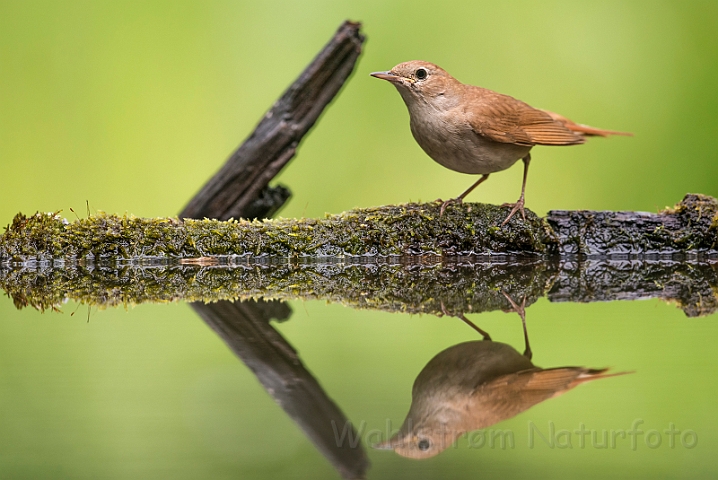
(691, 228)
(412, 229)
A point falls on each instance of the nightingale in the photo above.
(474, 385)
(474, 130)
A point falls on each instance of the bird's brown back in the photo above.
(504, 119)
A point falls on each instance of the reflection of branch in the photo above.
(412, 229)
(234, 190)
(245, 329)
(241, 189)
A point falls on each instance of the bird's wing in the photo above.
(504, 119)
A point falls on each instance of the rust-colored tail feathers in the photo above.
(584, 129)
(563, 379)
(592, 374)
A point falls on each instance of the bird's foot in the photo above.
(521, 310)
(515, 307)
(483, 333)
(445, 204)
(517, 207)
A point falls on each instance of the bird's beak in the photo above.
(387, 445)
(388, 76)
(391, 444)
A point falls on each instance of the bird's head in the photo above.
(421, 80)
(420, 443)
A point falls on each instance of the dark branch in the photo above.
(247, 173)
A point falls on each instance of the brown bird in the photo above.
(474, 385)
(475, 130)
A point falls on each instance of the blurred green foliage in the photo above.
(132, 105)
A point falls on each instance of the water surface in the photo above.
(152, 390)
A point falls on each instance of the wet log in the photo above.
(690, 230)
(691, 227)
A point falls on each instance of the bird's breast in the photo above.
(452, 143)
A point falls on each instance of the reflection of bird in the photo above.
(474, 130)
(474, 385)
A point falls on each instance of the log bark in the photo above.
(689, 228)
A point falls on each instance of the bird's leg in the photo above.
(519, 205)
(460, 198)
(521, 310)
(466, 321)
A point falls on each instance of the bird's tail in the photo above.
(591, 374)
(563, 379)
(584, 129)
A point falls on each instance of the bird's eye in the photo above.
(421, 73)
(423, 444)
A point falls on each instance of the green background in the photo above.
(131, 106)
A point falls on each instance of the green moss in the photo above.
(382, 231)
(697, 215)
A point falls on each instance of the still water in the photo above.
(126, 373)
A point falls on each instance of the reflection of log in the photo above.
(409, 287)
(413, 229)
(244, 327)
(238, 189)
(693, 286)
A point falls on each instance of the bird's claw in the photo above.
(444, 310)
(520, 309)
(449, 202)
(517, 207)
